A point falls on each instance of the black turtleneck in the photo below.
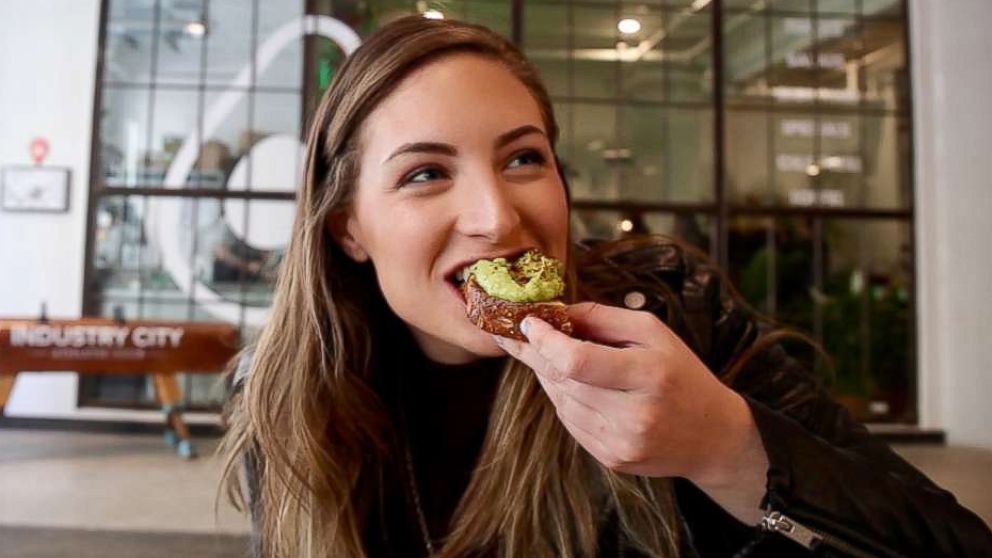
(447, 411)
(446, 408)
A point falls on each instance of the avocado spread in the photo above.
(533, 277)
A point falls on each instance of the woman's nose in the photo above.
(488, 210)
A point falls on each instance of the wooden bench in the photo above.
(105, 346)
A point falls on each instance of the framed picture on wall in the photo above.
(34, 189)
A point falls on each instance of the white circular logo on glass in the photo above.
(269, 221)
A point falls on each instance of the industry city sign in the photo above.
(95, 336)
(101, 344)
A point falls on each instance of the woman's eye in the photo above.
(526, 158)
(426, 174)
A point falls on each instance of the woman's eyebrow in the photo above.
(515, 133)
(424, 147)
(450, 150)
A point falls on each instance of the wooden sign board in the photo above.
(102, 345)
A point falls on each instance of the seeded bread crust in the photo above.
(503, 317)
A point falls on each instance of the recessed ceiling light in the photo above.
(196, 28)
(629, 26)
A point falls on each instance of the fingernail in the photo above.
(524, 325)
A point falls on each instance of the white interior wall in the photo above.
(953, 133)
(47, 71)
(47, 63)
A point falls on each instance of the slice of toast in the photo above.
(503, 317)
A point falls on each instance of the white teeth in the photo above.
(460, 275)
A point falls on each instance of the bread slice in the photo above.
(503, 317)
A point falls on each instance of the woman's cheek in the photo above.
(549, 213)
(404, 264)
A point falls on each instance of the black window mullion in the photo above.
(197, 169)
(242, 275)
(818, 272)
(311, 47)
(911, 203)
(771, 269)
(517, 23)
(616, 172)
(96, 169)
(194, 193)
(719, 131)
(666, 130)
(864, 307)
(149, 128)
(570, 38)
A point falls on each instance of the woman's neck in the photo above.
(440, 351)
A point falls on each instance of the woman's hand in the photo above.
(641, 402)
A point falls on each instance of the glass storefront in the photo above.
(773, 134)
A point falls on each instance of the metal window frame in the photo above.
(720, 211)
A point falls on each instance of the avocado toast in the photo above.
(499, 294)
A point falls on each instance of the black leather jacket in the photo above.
(832, 488)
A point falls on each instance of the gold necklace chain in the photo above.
(422, 519)
(415, 494)
(411, 476)
(412, 484)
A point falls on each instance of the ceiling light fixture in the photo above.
(195, 28)
(629, 26)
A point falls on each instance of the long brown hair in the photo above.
(308, 417)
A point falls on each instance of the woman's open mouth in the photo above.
(455, 283)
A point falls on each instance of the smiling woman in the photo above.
(473, 177)
(673, 430)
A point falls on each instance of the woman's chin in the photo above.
(467, 344)
(482, 344)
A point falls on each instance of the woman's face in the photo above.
(455, 166)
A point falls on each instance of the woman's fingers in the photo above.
(594, 429)
(528, 354)
(613, 425)
(620, 405)
(590, 442)
(582, 361)
(589, 428)
(616, 404)
(612, 325)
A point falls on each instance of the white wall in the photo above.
(47, 71)
(47, 63)
(951, 48)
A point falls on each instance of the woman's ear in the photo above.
(341, 224)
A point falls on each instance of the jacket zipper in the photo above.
(777, 522)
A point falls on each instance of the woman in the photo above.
(376, 420)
